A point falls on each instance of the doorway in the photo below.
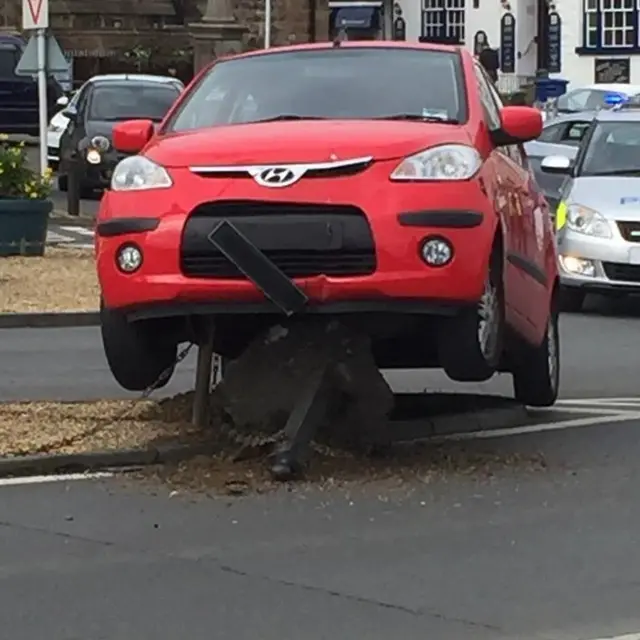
(542, 35)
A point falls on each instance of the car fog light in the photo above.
(129, 258)
(436, 252)
(94, 157)
(578, 266)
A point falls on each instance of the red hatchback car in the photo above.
(380, 182)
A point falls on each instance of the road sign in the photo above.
(55, 59)
(35, 14)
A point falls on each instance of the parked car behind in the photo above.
(19, 108)
(560, 136)
(103, 101)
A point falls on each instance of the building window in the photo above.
(611, 24)
(443, 20)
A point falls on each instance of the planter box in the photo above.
(23, 226)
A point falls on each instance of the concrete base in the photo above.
(213, 39)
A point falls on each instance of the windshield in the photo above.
(129, 100)
(584, 100)
(338, 83)
(614, 149)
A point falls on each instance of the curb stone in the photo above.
(470, 421)
(49, 320)
(57, 463)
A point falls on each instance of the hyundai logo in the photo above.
(278, 176)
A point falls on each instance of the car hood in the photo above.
(614, 197)
(100, 128)
(300, 142)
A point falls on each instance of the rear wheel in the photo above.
(470, 345)
(536, 370)
(138, 353)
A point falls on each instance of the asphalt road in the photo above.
(510, 553)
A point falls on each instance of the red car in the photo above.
(381, 182)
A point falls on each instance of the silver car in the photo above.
(598, 217)
(560, 136)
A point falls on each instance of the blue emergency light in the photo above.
(613, 99)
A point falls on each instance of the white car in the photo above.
(57, 126)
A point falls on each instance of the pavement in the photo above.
(511, 552)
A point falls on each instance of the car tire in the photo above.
(536, 370)
(137, 352)
(471, 344)
(572, 299)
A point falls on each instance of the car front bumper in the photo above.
(401, 280)
(613, 264)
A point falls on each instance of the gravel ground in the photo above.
(54, 427)
(62, 280)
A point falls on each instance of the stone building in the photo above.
(156, 35)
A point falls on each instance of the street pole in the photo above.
(42, 97)
(267, 24)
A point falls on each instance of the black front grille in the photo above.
(630, 231)
(622, 272)
(302, 240)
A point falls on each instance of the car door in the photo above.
(560, 138)
(506, 202)
(75, 128)
(18, 94)
(535, 246)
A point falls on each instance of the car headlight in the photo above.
(100, 143)
(444, 162)
(584, 220)
(137, 173)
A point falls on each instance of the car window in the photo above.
(551, 133)
(490, 107)
(337, 83)
(8, 60)
(613, 148)
(584, 100)
(573, 132)
(116, 101)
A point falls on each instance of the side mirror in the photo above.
(132, 136)
(556, 164)
(518, 125)
(62, 101)
(70, 113)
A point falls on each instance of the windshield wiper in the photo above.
(287, 116)
(416, 117)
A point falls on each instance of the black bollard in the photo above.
(73, 191)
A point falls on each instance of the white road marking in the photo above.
(9, 482)
(82, 231)
(537, 428)
(53, 237)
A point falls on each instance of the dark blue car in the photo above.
(19, 94)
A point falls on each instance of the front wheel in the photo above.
(139, 354)
(536, 370)
(470, 345)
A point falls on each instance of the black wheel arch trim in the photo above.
(527, 266)
(441, 219)
(124, 226)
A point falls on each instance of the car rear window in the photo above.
(338, 83)
(129, 100)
